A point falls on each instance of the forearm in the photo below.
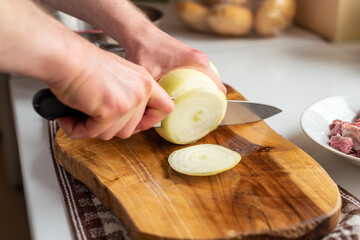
(118, 18)
(144, 44)
(34, 44)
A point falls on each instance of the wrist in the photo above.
(126, 24)
(121, 20)
(140, 35)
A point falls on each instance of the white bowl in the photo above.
(316, 119)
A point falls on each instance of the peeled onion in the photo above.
(199, 106)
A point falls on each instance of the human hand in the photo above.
(159, 53)
(120, 97)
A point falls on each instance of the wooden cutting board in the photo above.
(277, 191)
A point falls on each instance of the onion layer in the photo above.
(203, 160)
(199, 106)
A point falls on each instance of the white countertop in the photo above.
(291, 71)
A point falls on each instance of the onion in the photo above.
(203, 160)
(199, 106)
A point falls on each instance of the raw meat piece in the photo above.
(343, 144)
(355, 154)
(357, 123)
(352, 130)
(345, 136)
(335, 127)
(357, 117)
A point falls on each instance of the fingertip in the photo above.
(150, 118)
(221, 86)
(160, 99)
(216, 78)
(171, 106)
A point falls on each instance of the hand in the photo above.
(159, 53)
(120, 97)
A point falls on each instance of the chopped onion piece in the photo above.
(203, 159)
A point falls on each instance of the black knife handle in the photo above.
(49, 107)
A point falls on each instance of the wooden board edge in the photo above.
(100, 191)
(322, 227)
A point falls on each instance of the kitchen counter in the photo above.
(291, 71)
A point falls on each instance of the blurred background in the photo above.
(13, 217)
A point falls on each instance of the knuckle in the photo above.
(103, 110)
(147, 81)
(139, 95)
(141, 92)
(199, 56)
(102, 113)
(110, 108)
(124, 107)
(148, 84)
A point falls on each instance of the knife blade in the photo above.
(49, 107)
(239, 112)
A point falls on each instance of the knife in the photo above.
(49, 107)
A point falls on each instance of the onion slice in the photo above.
(203, 159)
(199, 106)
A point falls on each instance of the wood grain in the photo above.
(277, 191)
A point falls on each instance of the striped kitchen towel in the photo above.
(89, 219)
